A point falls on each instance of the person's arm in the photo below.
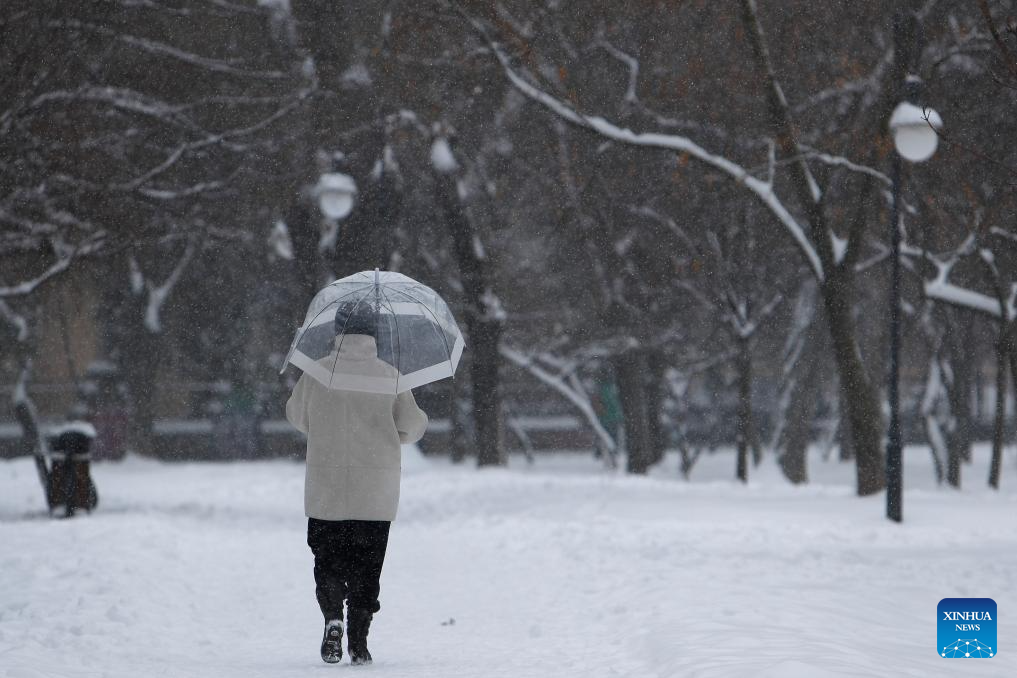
(296, 406)
(410, 420)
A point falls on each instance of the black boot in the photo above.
(331, 642)
(359, 622)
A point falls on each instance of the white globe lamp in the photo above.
(335, 192)
(914, 131)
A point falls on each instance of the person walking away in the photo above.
(239, 426)
(607, 407)
(351, 483)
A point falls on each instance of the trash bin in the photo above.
(70, 481)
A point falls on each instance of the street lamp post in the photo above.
(894, 475)
(915, 138)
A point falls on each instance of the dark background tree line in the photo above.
(649, 195)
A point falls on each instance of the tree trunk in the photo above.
(304, 236)
(999, 428)
(457, 413)
(1013, 361)
(485, 336)
(484, 320)
(978, 414)
(25, 414)
(630, 369)
(864, 418)
(1012, 353)
(688, 458)
(955, 452)
(962, 436)
(862, 401)
(755, 444)
(794, 456)
(140, 364)
(803, 373)
(936, 389)
(366, 238)
(846, 451)
(743, 433)
(932, 430)
(800, 413)
(657, 366)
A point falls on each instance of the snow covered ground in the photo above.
(555, 569)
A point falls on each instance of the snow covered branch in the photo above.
(158, 294)
(630, 62)
(568, 388)
(941, 289)
(155, 47)
(671, 224)
(779, 108)
(88, 147)
(632, 95)
(1006, 235)
(729, 304)
(441, 157)
(1008, 56)
(748, 325)
(840, 161)
(66, 257)
(16, 321)
(763, 190)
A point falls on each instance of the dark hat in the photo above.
(354, 318)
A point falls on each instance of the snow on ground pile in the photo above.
(556, 569)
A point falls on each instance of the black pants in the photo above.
(348, 556)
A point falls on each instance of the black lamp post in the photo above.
(915, 139)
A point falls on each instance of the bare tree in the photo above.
(830, 257)
(485, 316)
(120, 141)
(725, 284)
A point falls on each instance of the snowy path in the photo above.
(555, 570)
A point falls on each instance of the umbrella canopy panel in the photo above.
(414, 330)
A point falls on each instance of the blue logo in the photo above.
(967, 628)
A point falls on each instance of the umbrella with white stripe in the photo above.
(414, 334)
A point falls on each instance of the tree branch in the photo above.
(762, 190)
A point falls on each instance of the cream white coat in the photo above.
(353, 438)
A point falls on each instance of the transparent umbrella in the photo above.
(415, 336)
